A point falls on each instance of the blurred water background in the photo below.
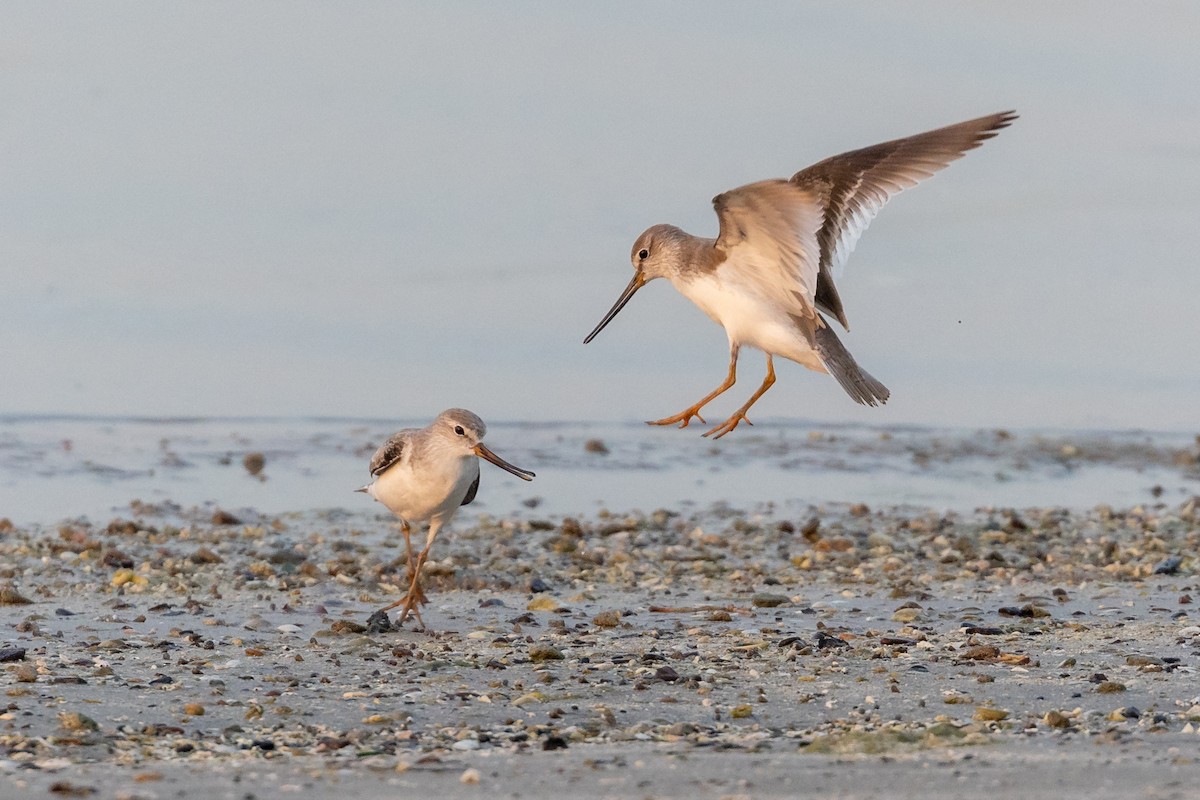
(54, 468)
(312, 210)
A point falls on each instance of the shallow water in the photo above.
(55, 468)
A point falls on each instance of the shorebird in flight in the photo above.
(767, 278)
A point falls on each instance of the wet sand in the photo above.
(658, 771)
(801, 650)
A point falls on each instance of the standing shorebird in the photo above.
(424, 475)
(768, 276)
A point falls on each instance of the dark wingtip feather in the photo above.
(1000, 121)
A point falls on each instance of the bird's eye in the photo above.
(643, 254)
(459, 430)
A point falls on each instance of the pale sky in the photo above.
(385, 209)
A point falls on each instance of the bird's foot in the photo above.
(683, 418)
(728, 425)
(413, 598)
(410, 604)
(380, 622)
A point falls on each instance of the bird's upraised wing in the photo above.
(389, 452)
(769, 234)
(853, 186)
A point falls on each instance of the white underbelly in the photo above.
(749, 320)
(420, 496)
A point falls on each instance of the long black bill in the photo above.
(483, 452)
(638, 282)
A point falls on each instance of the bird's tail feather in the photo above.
(857, 382)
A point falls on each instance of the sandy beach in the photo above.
(833, 649)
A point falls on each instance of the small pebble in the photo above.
(222, 517)
(983, 652)
(542, 603)
(607, 619)
(11, 597)
(254, 462)
(1168, 566)
(1056, 719)
(1138, 660)
(826, 641)
(989, 714)
(544, 652)
(768, 600)
(12, 654)
(379, 622)
(205, 556)
(74, 721)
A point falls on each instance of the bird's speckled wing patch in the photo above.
(389, 453)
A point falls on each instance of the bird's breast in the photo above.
(747, 318)
(418, 492)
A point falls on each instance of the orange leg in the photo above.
(406, 529)
(415, 596)
(740, 415)
(415, 570)
(412, 567)
(414, 585)
(685, 416)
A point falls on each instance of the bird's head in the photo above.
(463, 429)
(464, 432)
(657, 253)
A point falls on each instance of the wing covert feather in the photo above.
(389, 453)
(769, 237)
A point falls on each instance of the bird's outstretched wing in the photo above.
(389, 452)
(853, 186)
(769, 237)
(471, 492)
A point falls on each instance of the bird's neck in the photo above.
(697, 256)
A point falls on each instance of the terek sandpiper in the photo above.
(425, 475)
(768, 276)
